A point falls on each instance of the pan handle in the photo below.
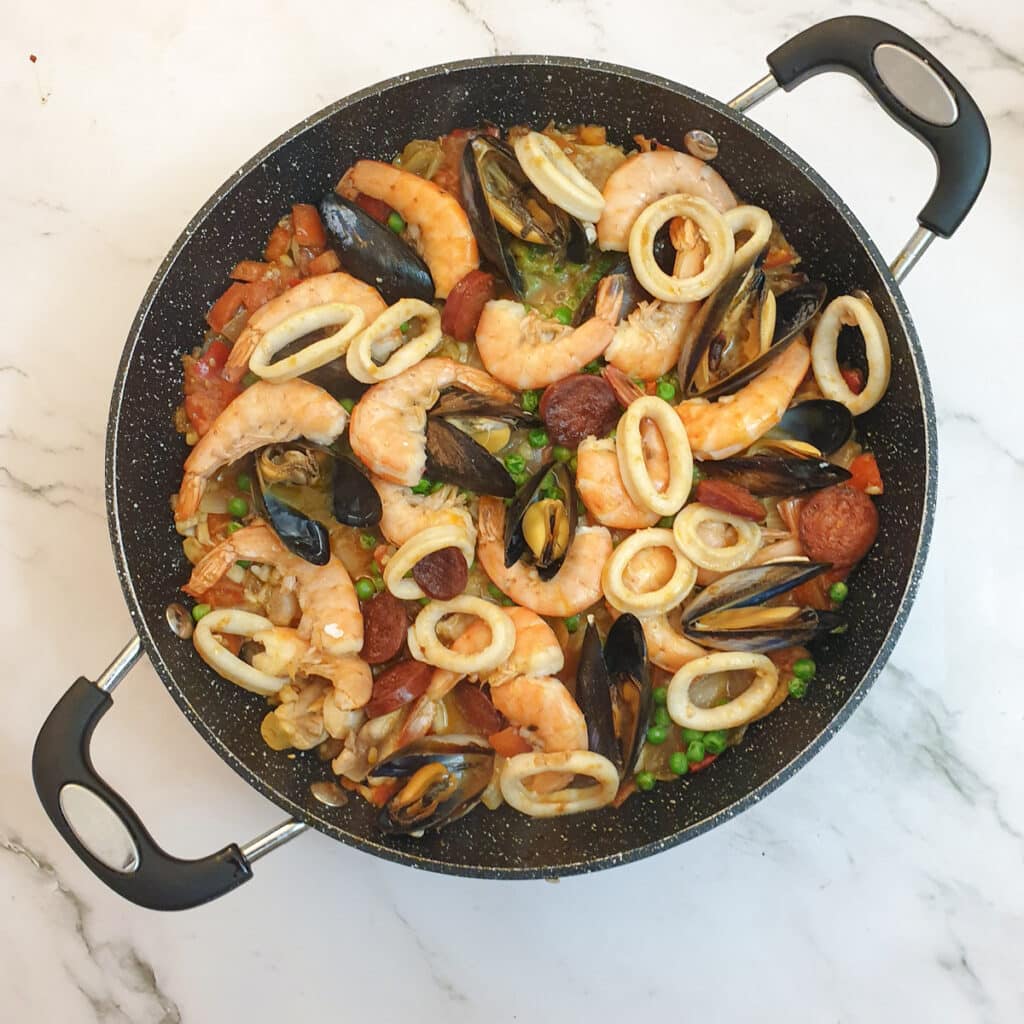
(101, 827)
(915, 89)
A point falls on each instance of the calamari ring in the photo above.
(847, 310)
(222, 661)
(521, 767)
(636, 478)
(557, 178)
(651, 602)
(348, 318)
(716, 232)
(759, 223)
(686, 530)
(740, 710)
(377, 341)
(418, 546)
(426, 647)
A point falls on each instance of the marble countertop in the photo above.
(883, 882)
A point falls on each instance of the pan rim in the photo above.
(766, 787)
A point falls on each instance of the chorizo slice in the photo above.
(578, 407)
(385, 623)
(838, 525)
(397, 686)
(731, 498)
(442, 574)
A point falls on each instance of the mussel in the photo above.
(825, 424)
(443, 778)
(541, 521)
(372, 252)
(732, 613)
(456, 458)
(613, 689)
(770, 474)
(298, 485)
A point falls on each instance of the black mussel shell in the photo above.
(594, 696)
(744, 588)
(455, 458)
(577, 247)
(335, 379)
(826, 424)
(762, 631)
(460, 402)
(633, 292)
(301, 535)
(625, 655)
(372, 252)
(516, 546)
(355, 500)
(766, 475)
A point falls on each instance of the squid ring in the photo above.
(633, 467)
(222, 661)
(418, 546)
(652, 602)
(755, 220)
(350, 319)
(426, 647)
(557, 178)
(740, 710)
(716, 231)
(379, 341)
(847, 310)
(521, 767)
(686, 530)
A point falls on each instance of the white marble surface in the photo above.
(882, 883)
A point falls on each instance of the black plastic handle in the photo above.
(962, 149)
(160, 881)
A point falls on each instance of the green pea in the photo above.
(677, 763)
(515, 463)
(367, 541)
(495, 591)
(238, 507)
(365, 588)
(348, 404)
(661, 717)
(243, 482)
(698, 474)
(537, 438)
(797, 687)
(612, 433)
(436, 486)
(249, 379)
(424, 601)
(690, 735)
(529, 400)
(573, 464)
(232, 527)
(666, 390)
(561, 454)
(695, 752)
(405, 327)
(657, 734)
(423, 487)
(199, 610)
(645, 781)
(715, 742)
(519, 479)
(839, 591)
(572, 623)
(594, 367)
(804, 668)
(666, 522)
(396, 222)
(660, 696)
(243, 563)
(563, 314)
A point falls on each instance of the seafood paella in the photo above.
(524, 470)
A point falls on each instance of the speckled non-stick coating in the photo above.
(144, 454)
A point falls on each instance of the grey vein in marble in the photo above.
(479, 19)
(1009, 59)
(971, 420)
(46, 492)
(443, 983)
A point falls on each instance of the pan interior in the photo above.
(145, 455)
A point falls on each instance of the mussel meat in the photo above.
(443, 778)
(372, 252)
(820, 422)
(454, 457)
(732, 614)
(768, 474)
(541, 521)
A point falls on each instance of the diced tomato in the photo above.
(376, 208)
(280, 240)
(287, 275)
(452, 146)
(854, 379)
(232, 642)
(216, 354)
(224, 593)
(309, 230)
(465, 304)
(865, 474)
(216, 525)
(508, 742)
(778, 258)
(326, 263)
(207, 394)
(259, 293)
(225, 307)
(249, 270)
(697, 766)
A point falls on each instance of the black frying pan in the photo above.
(145, 455)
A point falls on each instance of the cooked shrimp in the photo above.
(537, 652)
(573, 589)
(260, 415)
(439, 224)
(525, 350)
(331, 620)
(599, 483)
(314, 291)
(545, 708)
(388, 429)
(719, 429)
(405, 513)
(666, 646)
(647, 177)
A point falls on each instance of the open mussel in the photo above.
(820, 422)
(541, 521)
(372, 252)
(594, 697)
(776, 474)
(732, 614)
(454, 457)
(443, 778)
